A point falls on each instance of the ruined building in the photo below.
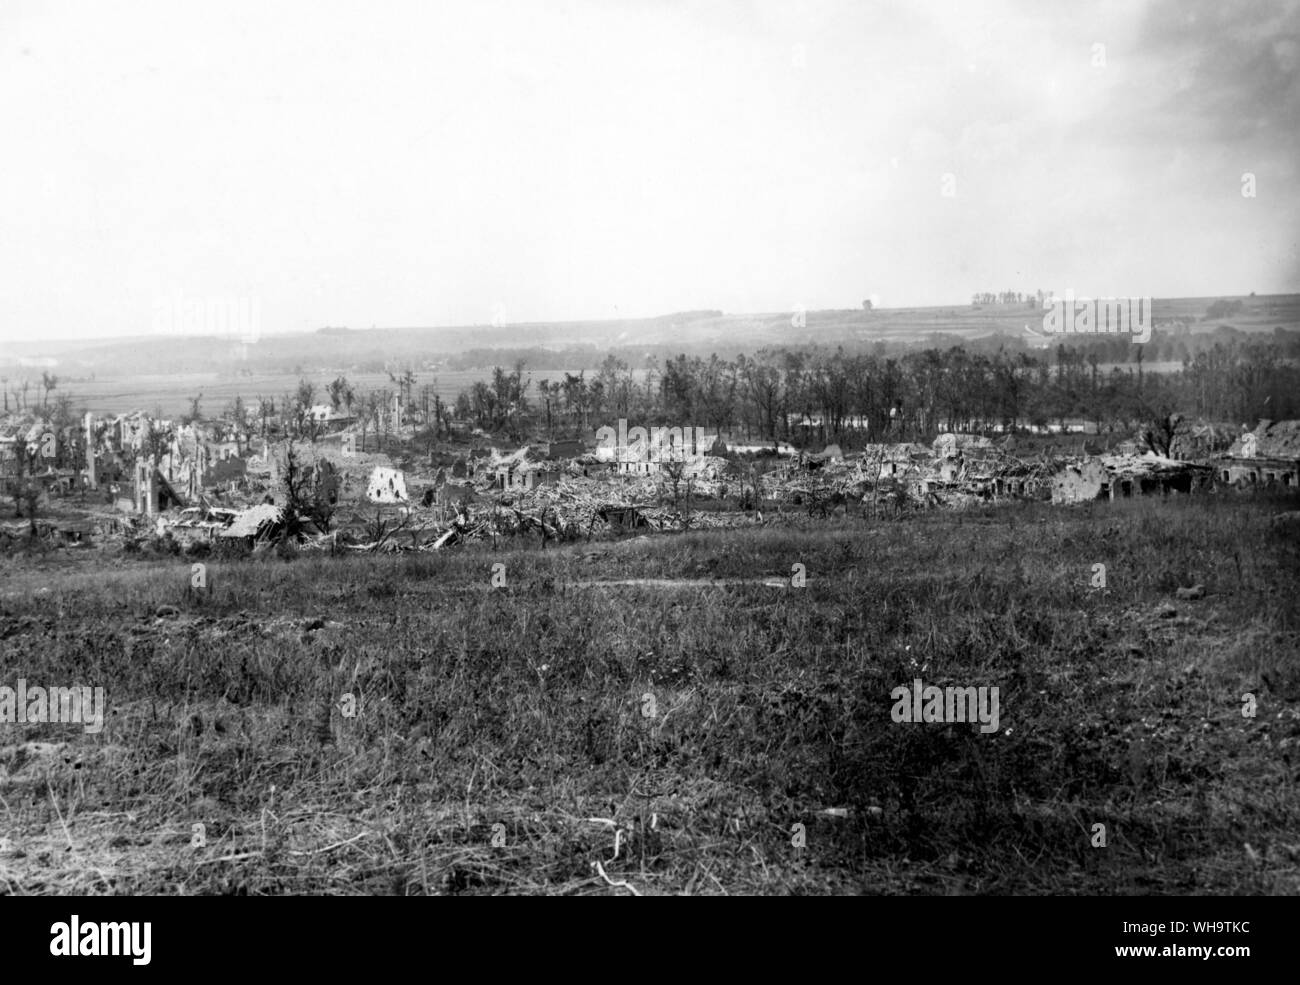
(1269, 455)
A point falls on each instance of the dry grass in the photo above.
(502, 743)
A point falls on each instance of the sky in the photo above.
(394, 164)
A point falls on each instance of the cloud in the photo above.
(1225, 72)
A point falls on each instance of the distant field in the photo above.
(172, 393)
(189, 359)
(123, 394)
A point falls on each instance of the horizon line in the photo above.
(584, 321)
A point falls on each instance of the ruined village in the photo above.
(317, 477)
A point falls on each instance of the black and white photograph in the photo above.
(651, 448)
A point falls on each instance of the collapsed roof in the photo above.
(1271, 439)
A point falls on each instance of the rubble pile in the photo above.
(218, 483)
(959, 470)
(1119, 476)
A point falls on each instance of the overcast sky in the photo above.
(435, 163)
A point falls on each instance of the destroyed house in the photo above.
(1200, 441)
(592, 468)
(1123, 476)
(329, 416)
(623, 517)
(153, 492)
(508, 478)
(893, 461)
(10, 446)
(1125, 480)
(952, 445)
(387, 486)
(224, 470)
(696, 467)
(128, 430)
(201, 523)
(1019, 484)
(638, 468)
(969, 466)
(57, 482)
(562, 449)
(255, 523)
(1267, 456)
(264, 522)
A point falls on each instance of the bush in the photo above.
(1222, 308)
(230, 548)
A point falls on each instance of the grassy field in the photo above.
(173, 393)
(714, 735)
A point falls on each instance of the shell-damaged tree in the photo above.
(306, 495)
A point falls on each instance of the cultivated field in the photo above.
(710, 730)
(172, 393)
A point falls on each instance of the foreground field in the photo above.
(702, 727)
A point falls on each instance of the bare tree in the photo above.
(306, 494)
(1160, 433)
(157, 441)
(48, 382)
(265, 414)
(23, 489)
(303, 400)
(364, 411)
(340, 393)
(674, 469)
(373, 409)
(407, 387)
(238, 415)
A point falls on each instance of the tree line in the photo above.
(796, 394)
(791, 393)
(804, 394)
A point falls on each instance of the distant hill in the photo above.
(555, 345)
